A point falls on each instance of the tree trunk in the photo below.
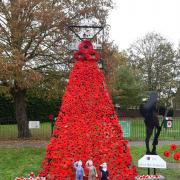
(21, 116)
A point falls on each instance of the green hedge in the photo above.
(6, 107)
(37, 109)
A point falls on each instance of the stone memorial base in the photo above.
(150, 177)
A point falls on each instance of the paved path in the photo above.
(23, 143)
(44, 143)
(139, 143)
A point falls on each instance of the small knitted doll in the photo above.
(92, 170)
(79, 170)
(104, 171)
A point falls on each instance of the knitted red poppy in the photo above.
(85, 46)
(176, 156)
(166, 153)
(173, 147)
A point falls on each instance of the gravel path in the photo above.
(139, 143)
(44, 143)
(23, 143)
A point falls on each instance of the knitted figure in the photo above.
(92, 170)
(79, 170)
(104, 171)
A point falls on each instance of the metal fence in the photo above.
(133, 128)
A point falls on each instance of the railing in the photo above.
(135, 127)
(9, 131)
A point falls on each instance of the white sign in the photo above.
(169, 124)
(34, 124)
(126, 127)
(152, 161)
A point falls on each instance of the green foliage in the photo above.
(128, 87)
(6, 107)
(37, 108)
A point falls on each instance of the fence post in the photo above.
(52, 124)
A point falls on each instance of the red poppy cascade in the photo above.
(87, 125)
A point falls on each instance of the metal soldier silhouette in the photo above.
(149, 112)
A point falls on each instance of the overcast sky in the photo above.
(132, 19)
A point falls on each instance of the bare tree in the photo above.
(33, 43)
(156, 61)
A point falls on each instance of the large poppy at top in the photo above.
(86, 52)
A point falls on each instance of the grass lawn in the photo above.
(170, 174)
(21, 161)
(137, 131)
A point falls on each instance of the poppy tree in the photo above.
(87, 126)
